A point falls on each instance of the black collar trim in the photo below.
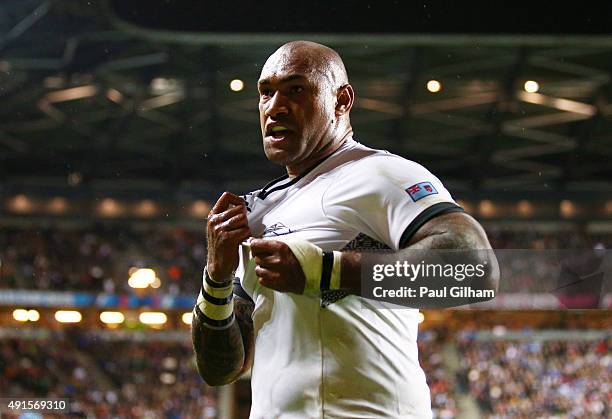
(265, 192)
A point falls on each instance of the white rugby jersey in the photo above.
(333, 357)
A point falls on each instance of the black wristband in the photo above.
(214, 284)
(215, 300)
(328, 265)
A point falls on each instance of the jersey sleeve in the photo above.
(387, 198)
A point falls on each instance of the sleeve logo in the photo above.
(421, 190)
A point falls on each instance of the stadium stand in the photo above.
(106, 378)
(98, 260)
(518, 373)
(564, 375)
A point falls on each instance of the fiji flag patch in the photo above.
(421, 190)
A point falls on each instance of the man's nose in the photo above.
(277, 105)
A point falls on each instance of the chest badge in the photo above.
(276, 229)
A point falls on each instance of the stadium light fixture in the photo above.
(236, 85)
(146, 208)
(200, 209)
(434, 86)
(567, 208)
(112, 317)
(21, 204)
(58, 205)
(142, 278)
(153, 318)
(486, 208)
(68, 316)
(531, 86)
(20, 315)
(525, 208)
(33, 315)
(187, 318)
(109, 208)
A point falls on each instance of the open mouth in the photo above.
(277, 131)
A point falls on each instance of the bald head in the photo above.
(304, 104)
(310, 58)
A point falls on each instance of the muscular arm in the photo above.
(223, 351)
(453, 231)
(222, 356)
(463, 239)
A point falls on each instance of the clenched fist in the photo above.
(227, 226)
(277, 267)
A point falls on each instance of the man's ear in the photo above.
(345, 99)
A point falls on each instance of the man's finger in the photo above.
(237, 235)
(267, 261)
(226, 215)
(226, 199)
(266, 275)
(236, 222)
(260, 247)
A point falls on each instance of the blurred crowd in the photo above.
(152, 379)
(535, 378)
(99, 259)
(130, 378)
(443, 402)
(103, 379)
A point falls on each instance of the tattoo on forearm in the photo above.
(220, 354)
(243, 310)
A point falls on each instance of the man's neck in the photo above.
(330, 148)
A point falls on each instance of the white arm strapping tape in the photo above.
(310, 257)
(221, 292)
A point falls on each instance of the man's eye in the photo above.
(265, 93)
(297, 89)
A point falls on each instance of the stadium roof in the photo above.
(90, 96)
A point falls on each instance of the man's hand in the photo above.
(227, 227)
(277, 267)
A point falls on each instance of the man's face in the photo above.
(296, 110)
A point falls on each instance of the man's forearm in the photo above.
(222, 333)
(220, 354)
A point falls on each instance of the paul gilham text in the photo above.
(444, 292)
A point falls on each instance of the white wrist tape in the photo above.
(215, 304)
(321, 269)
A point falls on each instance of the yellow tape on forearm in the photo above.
(215, 300)
(214, 311)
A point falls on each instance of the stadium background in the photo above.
(120, 123)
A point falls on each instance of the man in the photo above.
(318, 349)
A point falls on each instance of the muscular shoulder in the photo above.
(378, 173)
(384, 165)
